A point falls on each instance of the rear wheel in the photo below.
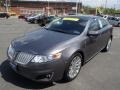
(119, 25)
(7, 17)
(35, 22)
(107, 47)
(73, 68)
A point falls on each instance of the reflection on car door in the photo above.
(92, 42)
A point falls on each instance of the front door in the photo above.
(93, 42)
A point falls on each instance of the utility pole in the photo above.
(48, 8)
(77, 3)
(6, 5)
(62, 8)
(105, 4)
(114, 7)
(118, 4)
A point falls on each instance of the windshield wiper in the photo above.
(56, 30)
(60, 31)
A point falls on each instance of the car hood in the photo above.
(32, 17)
(41, 41)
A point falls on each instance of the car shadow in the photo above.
(10, 76)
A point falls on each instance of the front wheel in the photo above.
(74, 67)
(35, 22)
(119, 25)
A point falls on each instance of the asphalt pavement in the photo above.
(101, 73)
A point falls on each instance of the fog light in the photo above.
(49, 76)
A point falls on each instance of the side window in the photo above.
(103, 22)
(113, 18)
(110, 18)
(116, 19)
(94, 25)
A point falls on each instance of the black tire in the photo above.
(107, 47)
(119, 25)
(40, 24)
(44, 22)
(66, 76)
(35, 21)
(7, 17)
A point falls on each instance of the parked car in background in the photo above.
(42, 20)
(46, 20)
(113, 20)
(59, 50)
(34, 18)
(71, 13)
(12, 13)
(4, 15)
(118, 18)
(24, 16)
(51, 18)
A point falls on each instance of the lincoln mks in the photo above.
(59, 50)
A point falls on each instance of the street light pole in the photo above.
(105, 4)
(48, 8)
(77, 2)
(6, 5)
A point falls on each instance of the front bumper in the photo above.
(48, 71)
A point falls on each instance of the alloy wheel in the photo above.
(74, 67)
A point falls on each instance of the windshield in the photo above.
(67, 25)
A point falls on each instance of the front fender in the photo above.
(74, 48)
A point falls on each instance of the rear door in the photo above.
(105, 31)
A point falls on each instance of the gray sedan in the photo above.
(59, 50)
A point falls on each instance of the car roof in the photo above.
(85, 17)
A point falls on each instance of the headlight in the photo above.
(11, 52)
(40, 59)
(55, 56)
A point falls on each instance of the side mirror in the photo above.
(93, 33)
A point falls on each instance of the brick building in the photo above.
(51, 7)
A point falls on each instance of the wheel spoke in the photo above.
(109, 44)
(75, 67)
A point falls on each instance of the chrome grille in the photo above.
(23, 58)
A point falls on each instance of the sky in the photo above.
(95, 3)
(92, 3)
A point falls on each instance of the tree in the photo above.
(109, 11)
(1, 2)
(89, 10)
